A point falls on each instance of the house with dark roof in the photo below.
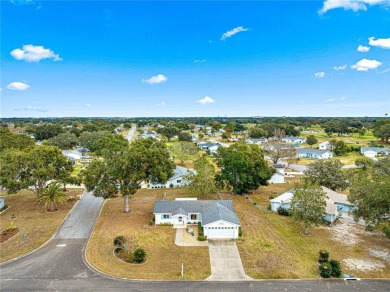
(217, 217)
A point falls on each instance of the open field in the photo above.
(164, 257)
(36, 226)
(351, 139)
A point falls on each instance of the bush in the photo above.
(370, 228)
(171, 186)
(152, 221)
(165, 224)
(139, 255)
(324, 256)
(200, 229)
(336, 268)
(239, 232)
(271, 197)
(119, 240)
(202, 238)
(269, 208)
(386, 231)
(118, 249)
(325, 270)
(283, 211)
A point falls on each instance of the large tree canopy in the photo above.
(144, 160)
(243, 167)
(202, 181)
(327, 173)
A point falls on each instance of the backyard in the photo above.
(35, 225)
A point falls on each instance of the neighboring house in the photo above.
(75, 154)
(177, 180)
(205, 145)
(314, 153)
(214, 149)
(1, 202)
(146, 135)
(256, 141)
(336, 203)
(373, 152)
(324, 145)
(217, 218)
(294, 140)
(279, 176)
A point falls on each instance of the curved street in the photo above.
(60, 265)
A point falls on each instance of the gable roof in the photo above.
(211, 210)
(312, 151)
(374, 149)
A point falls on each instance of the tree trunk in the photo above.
(51, 206)
(126, 200)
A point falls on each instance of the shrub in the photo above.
(139, 255)
(119, 240)
(202, 238)
(325, 270)
(271, 197)
(118, 249)
(152, 221)
(386, 231)
(336, 268)
(239, 232)
(324, 256)
(11, 226)
(269, 208)
(165, 224)
(254, 203)
(370, 228)
(200, 229)
(171, 186)
(283, 211)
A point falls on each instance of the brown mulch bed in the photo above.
(7, 234)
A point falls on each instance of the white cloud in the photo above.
(331, 99)
(354, 5)
(363, 49)
(159, 78)
(232, 32)
(365, 65)
(338, 68)
(382, 43)
(205, 100)
(319, 74)
(18, 86)
(31, 53)
(200, 61)
(32, 108)
(162, 103)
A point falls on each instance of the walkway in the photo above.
(180, 241)
(225, 261)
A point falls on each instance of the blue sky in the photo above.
(131, 59)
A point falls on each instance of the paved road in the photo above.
(131, 132)
(60, 266)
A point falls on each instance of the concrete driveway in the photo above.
(225, 261)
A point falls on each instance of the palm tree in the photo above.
(51, 196)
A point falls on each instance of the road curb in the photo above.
(47, 241)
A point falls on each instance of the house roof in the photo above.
(293, 138)
(180, 171)
(311, 151)
(374, 149)
(283, 197)
(211, 210)
(217, 212)
(278, 166)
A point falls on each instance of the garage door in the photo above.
(220, 232)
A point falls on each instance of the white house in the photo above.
(256, 141)
(314, 153)
(294, 140)
(214, 149)
(177, 180)
(1, 202)
(336, 203)
(373, 152)
(151, 134)
(75, 155)
(218, 218)
(324, 145)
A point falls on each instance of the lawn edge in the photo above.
(47, 241)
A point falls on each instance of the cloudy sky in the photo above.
(131, 59)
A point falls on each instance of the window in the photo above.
(165, 216)
(178, 181)
(194, 217)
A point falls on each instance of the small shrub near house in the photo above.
(139, 255)
(325, 270)
(324, 256)
(202, 238)
(200, 229)
(239, 232)
(283, 211)
(336, 268)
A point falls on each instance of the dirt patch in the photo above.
(7, 234)
(346, 233)
(381, 253)
(363, 265)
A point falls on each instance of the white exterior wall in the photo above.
(326, 155)
(370, 154)
(277, 178)
(221, 229)
(159, 220)
(324, 146)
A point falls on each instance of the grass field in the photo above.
(77, 169)
(35, 225)
(164, 257)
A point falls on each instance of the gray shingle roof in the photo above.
(212, 210)
(311, 151)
